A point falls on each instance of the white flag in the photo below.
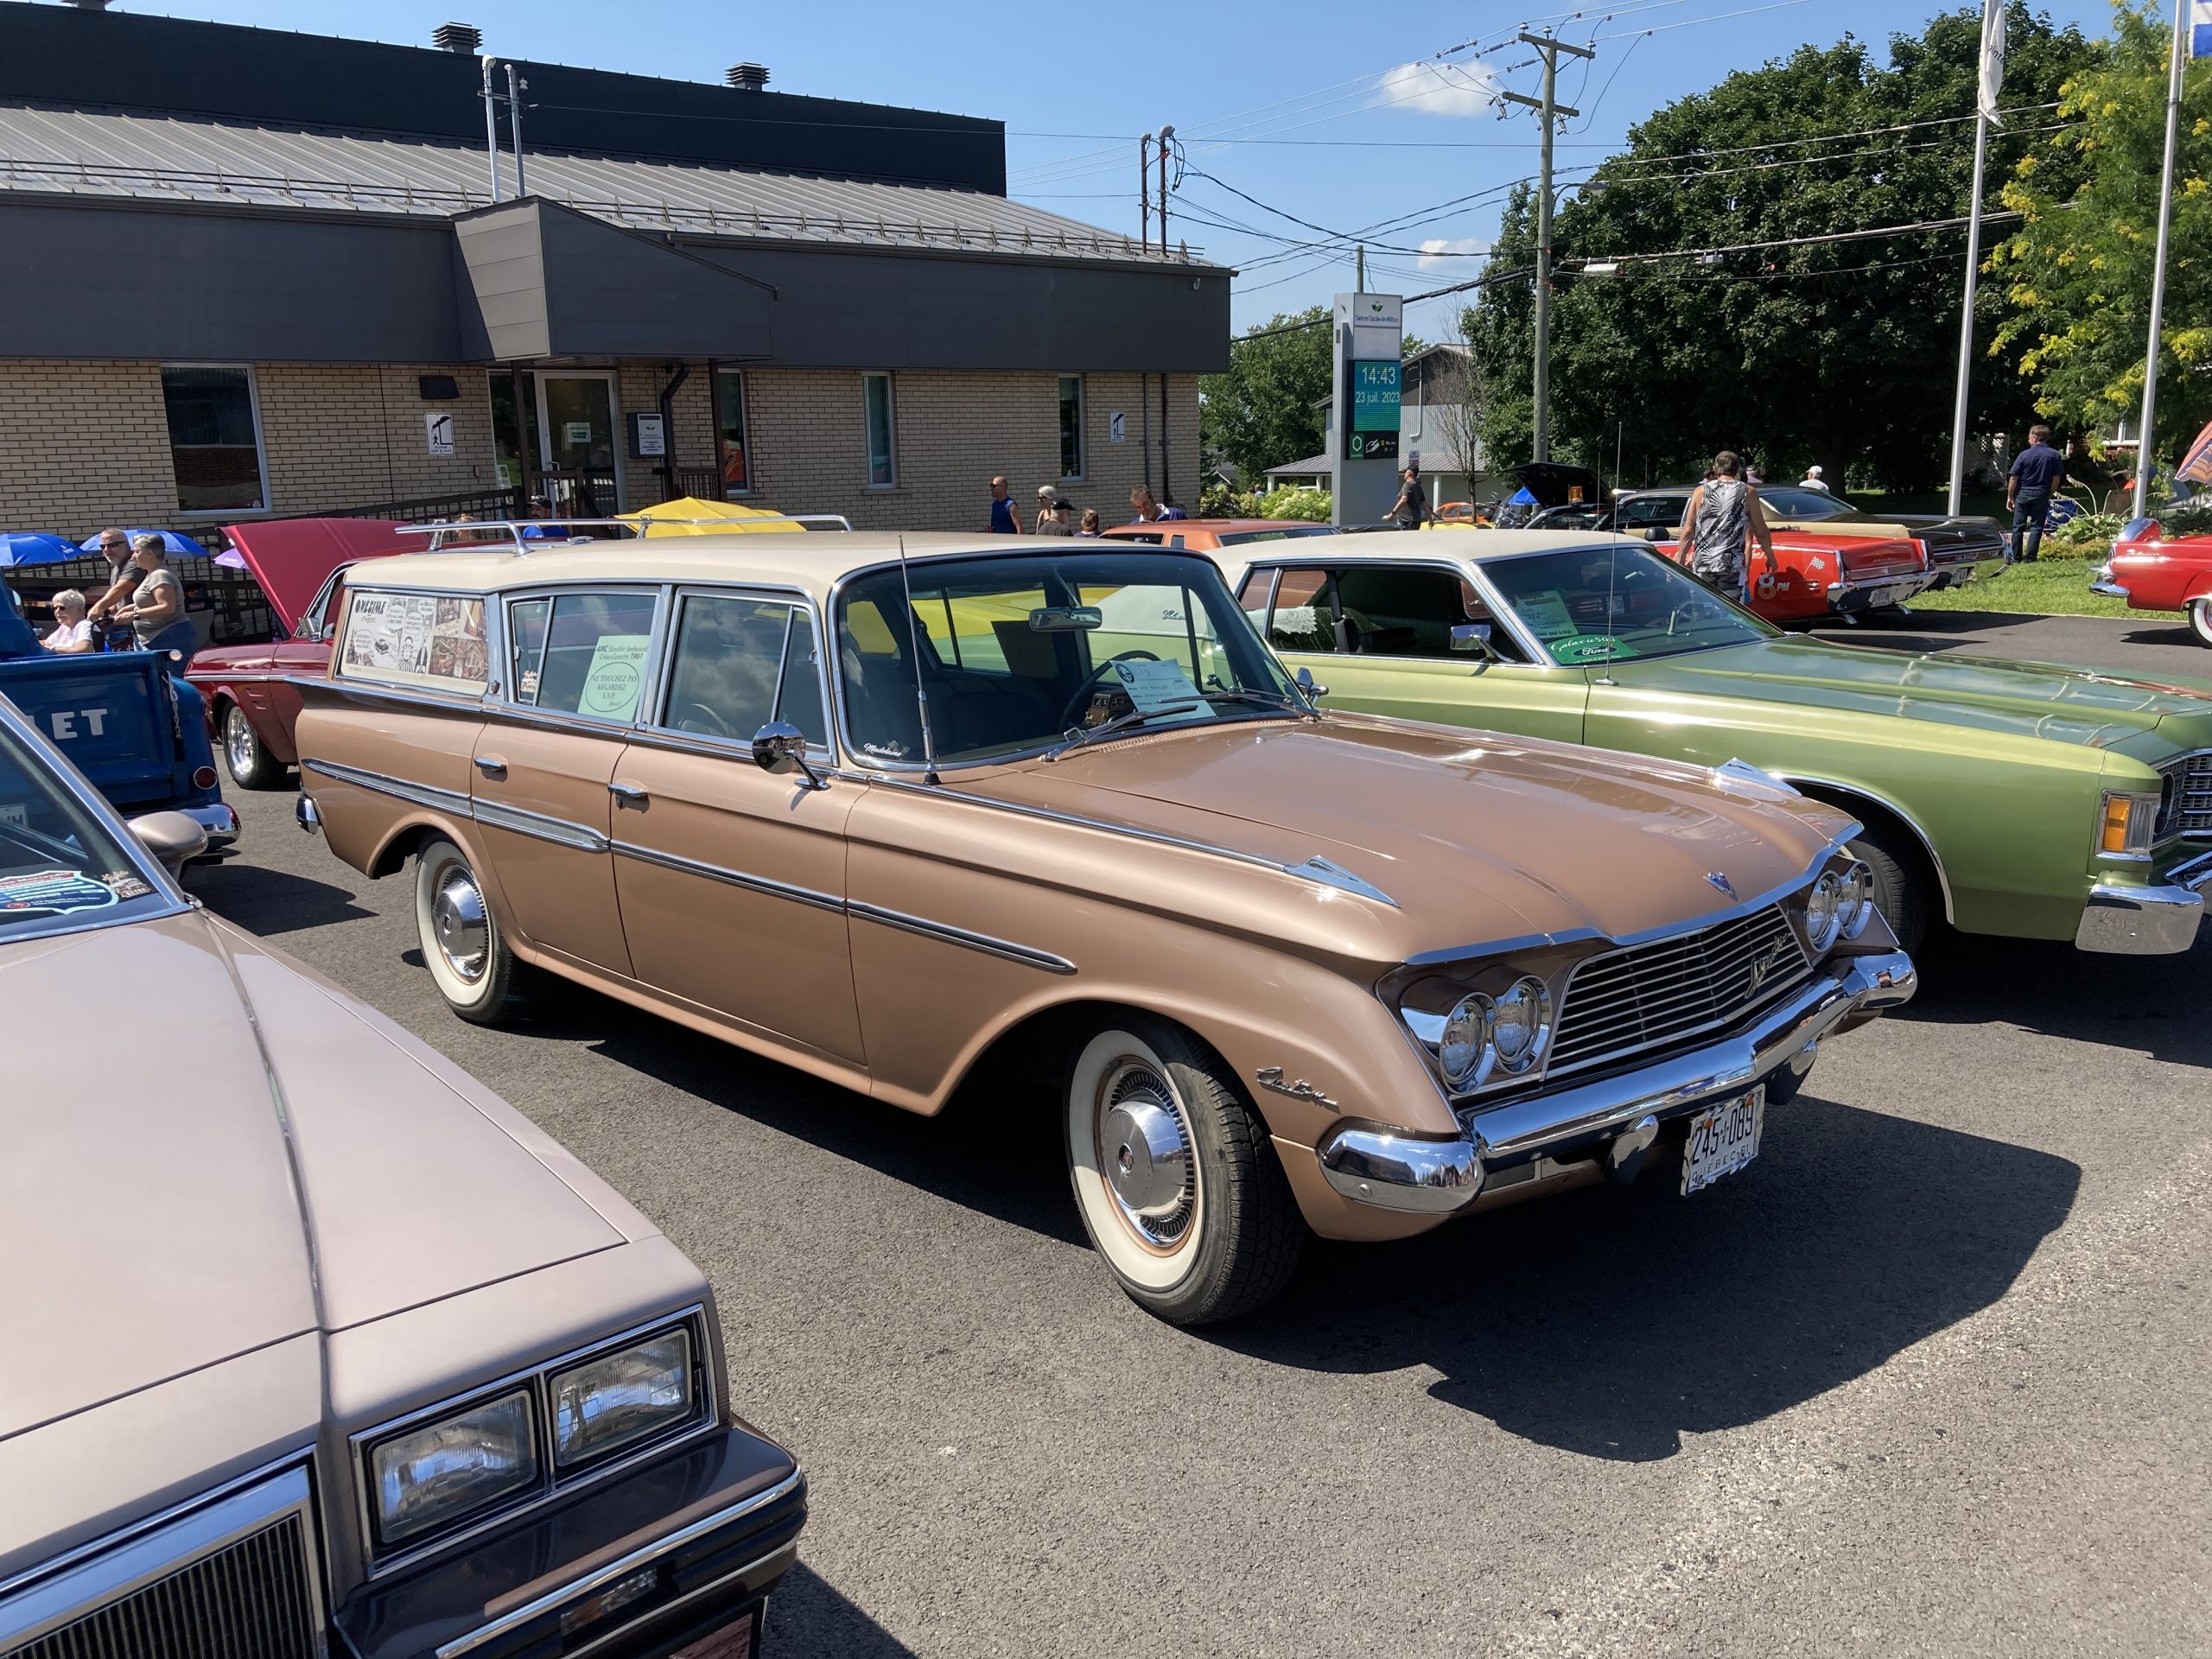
(1992, 59)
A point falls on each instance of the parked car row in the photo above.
(1568, 873)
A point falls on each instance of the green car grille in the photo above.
(2187, 809)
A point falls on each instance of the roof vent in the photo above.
(748, 77)
(459, 37)
(91, 5)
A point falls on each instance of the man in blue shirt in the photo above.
(2036, 472)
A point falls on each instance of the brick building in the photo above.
(255, 273)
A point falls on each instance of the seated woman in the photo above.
(72, 629)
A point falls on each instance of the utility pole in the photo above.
(1166, 489)
(1359, 269)
(1548, 110)
(2146, 453)
(1144, 193)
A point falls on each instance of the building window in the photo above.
(214, 439)
(1072, 427)
(882, 432)
(729, 420)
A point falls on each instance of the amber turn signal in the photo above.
(2127, 824)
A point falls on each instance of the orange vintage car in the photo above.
(897, 812)
(1211, 535)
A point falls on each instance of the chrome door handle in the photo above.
(491, 765)
(627, 794)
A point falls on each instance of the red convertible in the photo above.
(2154, 570)
(301, 564)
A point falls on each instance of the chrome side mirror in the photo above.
(780, 746)
(1472, 637)
(173, 838)
(1312, 688)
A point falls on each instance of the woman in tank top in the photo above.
(1724, 516)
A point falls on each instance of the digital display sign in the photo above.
(1374, 397)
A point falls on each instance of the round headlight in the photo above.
(1520, 1025)
(1823, 907)
(1466, 1035)
(1858, 906)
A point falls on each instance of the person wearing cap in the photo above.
(1006, 519)
(539, 508)
(1054, 516)
(1814, 480)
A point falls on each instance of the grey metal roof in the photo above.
(104, 154)
(1326, 465)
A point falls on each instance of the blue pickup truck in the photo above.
(137, 730)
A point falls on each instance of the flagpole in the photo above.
(2145, 450)
(1985, 97)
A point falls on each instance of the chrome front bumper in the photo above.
(221, 824)
(1395, 1171)
(2158, 921)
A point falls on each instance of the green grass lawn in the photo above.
(2050, 586)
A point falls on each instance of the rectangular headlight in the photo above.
(431, 1477)
(621, 1398)
(2127, 825)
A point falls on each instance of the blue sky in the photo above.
(1357, 131)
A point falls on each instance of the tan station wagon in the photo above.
(309, 1343)
(887, 811)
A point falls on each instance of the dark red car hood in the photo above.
(290, 558)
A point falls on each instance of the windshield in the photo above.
(1801, 504)
(1017, 653)
(1606, 604)
(56, 862)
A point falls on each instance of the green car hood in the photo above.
(2037, 700)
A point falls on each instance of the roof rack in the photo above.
(520, 540)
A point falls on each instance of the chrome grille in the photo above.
(2187, 809)
(1672, 987)
(250, 1599)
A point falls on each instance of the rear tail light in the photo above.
(204, 777)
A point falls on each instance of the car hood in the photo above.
(1469, 835)
(242, 1156)
(2036, 699)
(290, 558)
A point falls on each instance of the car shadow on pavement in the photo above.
(1612, 1323)
(2148, 1005)
(265, 902)
(1023, 1181)
(805, 1616)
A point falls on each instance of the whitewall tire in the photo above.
(2200, 619)
(462, 944)
(1175, 1175)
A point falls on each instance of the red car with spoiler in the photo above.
(301, 564)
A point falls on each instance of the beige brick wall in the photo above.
(89, 441)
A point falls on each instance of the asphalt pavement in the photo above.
(1928, 1377)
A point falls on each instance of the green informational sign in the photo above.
(1374, 397)
(615, 677)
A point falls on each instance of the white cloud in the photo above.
(1434, 250)
(1440, 88)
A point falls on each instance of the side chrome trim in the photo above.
(626, 1565)
(444, 800)
(538, 826)
(1798, 780)
(759, 884)
(1318, 870)
(960, 936)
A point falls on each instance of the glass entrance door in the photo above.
(575, 431)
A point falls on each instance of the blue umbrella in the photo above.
(179, 547)
(35, 547)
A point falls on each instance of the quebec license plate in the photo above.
(1723, 1139)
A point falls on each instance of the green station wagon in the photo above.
(2011, 798)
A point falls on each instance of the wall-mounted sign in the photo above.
(648, 436)
(1117, 427)
(437, 431)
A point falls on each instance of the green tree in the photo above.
(1842, 353)
(2078, 271)
(1263, 411)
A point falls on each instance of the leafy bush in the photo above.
(1311, 506)
(2085, 534)
(1219, 500)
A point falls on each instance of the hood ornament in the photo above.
(1721, 882)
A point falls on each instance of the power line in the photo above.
(1793, 241)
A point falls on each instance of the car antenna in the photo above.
(914, 644)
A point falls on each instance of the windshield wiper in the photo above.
(1265, 699)
(1075, 736)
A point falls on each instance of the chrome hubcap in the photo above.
(238, 742)
(1145, 1154)
(464, 936)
